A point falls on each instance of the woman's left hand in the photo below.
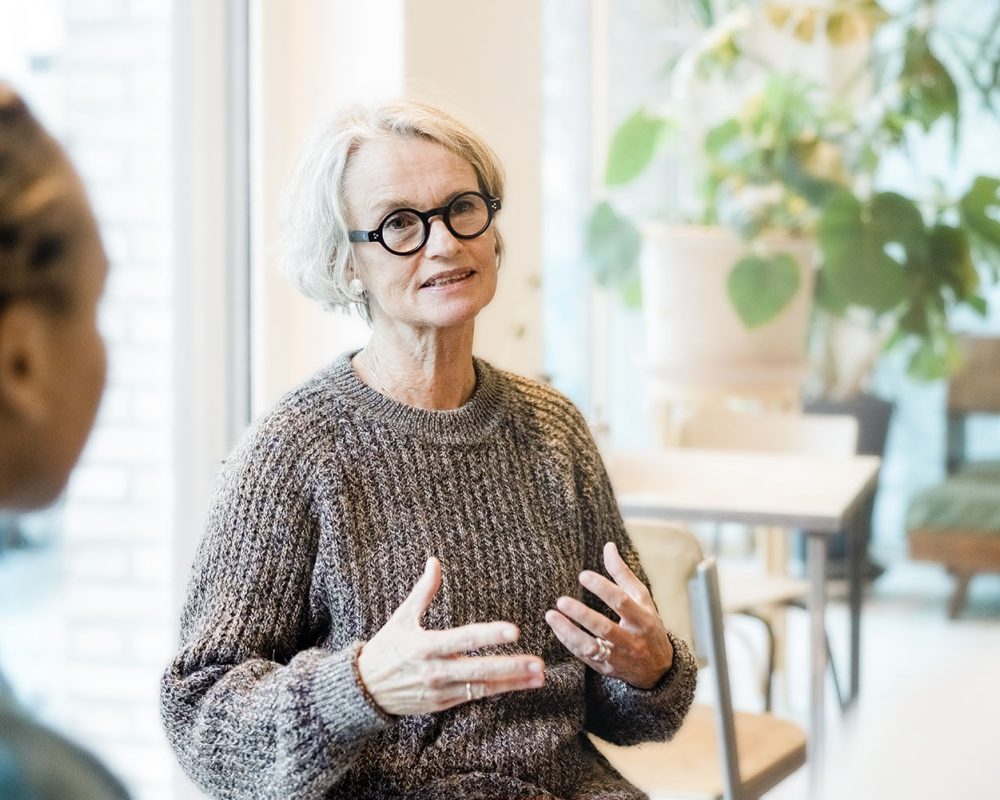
(636, 648)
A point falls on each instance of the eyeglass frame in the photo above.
(493, 205)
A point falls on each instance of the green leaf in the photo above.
(854, 242)
(703, 11)
(720, 137)
(951, 261)
(760, 288)
(928, 90)
(793, 168)
(979, 209)
(633, 146)
(937, 356)
(612, 244)
(828, 298)
(631, 293)
(927, 364)
(979, 305)
(897, 220)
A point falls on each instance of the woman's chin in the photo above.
(33, 495)
(448, 311)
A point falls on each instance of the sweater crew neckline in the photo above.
(472, 422)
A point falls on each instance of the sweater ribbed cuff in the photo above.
(343, 703)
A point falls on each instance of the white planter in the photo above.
(694, 338)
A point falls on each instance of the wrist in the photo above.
(359, 678)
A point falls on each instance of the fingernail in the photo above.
(510, 634)
(535, 667)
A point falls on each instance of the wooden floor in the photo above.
(924, 710)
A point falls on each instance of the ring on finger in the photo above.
(604, 648)
(468, 690)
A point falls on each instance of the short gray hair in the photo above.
(316, 253)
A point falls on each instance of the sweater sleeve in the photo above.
(250, 711)
(617, 711)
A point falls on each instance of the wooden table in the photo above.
(814, 493)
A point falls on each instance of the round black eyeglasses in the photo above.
(406, 230)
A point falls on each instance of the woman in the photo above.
(400, 591)
(52, 367)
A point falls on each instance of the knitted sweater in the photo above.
(321, 523)
(37, 763)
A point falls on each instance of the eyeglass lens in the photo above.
(466, 216)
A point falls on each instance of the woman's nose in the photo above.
(440, 240)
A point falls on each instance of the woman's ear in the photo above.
(26, 364)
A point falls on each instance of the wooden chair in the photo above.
(757, 593)
(957, 521)
(717, 753)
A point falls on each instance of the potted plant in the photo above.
(783, 160)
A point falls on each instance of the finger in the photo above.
(485, 669)
(457, 693)
(579, 643)
(623, 574)
(594, 622)
(423, 592)
(614, 597)
(513, 685)
(468, 637)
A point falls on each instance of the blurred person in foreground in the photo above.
(52, 369)
(415, 581)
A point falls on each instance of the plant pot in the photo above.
(694, 338)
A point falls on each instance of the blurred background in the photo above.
(185, 118)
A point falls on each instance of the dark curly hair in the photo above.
(37, 225)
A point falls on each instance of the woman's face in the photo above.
(79, 358)
(388, 174)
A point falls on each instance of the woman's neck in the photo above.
(435, 373)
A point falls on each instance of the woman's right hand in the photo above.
(409, 670)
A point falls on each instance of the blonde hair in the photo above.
(316, 254)
(36, 232)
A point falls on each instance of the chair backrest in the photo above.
(771, 432)
(670, 554)
(710, 631)
(974, 389)
(685, 587)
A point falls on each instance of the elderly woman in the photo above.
(415, 581)
(52, 367)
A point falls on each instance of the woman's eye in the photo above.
(400, 222)
(462, 207)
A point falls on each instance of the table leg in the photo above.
(816, 547)
(857, 547)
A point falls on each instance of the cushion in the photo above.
(961, 502)
(981, 471)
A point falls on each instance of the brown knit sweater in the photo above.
(322, 521)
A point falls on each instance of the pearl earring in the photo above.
(357, 287)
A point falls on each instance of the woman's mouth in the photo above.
(448, 278)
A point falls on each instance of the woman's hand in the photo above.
(409, 670)
(636, 648)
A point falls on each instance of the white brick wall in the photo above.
(115, 549)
